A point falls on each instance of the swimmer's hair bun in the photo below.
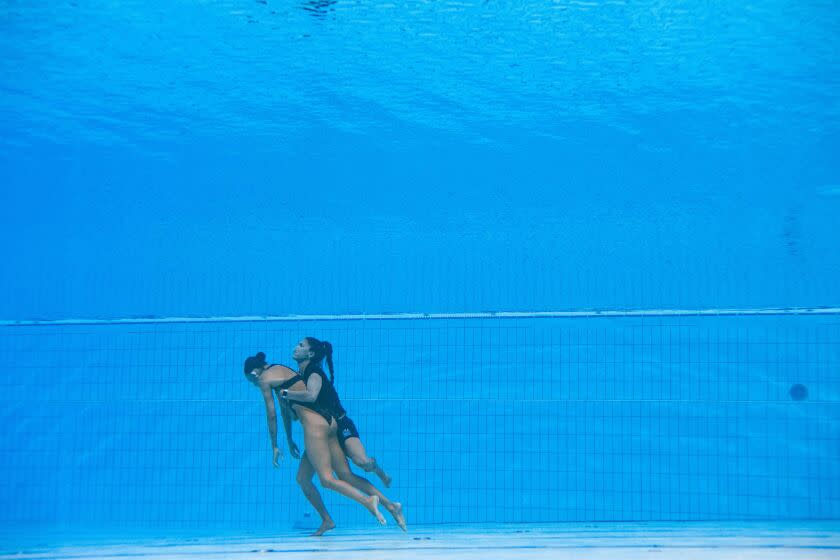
(254, 362)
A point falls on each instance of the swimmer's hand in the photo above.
(277, 456)
(293, 450)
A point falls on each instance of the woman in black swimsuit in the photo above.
(321, 394)
(319, 428)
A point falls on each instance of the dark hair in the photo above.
(253, 362)
(322, 349)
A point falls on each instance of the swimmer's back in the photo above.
(280, 377)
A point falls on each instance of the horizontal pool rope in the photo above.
(435, 316)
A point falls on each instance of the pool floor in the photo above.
(603, 540)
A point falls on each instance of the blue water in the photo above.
(242, 158)
(246, 157)
(483, 421)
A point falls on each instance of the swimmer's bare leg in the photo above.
(357, 453)
(304, 478)
(383, 476)
(396, 511)
(343, 472)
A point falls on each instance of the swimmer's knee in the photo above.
(303, 480)
(346, 476)
(328, 480)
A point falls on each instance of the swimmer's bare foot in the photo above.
(325, 526)
(373, 507)
(396, 511)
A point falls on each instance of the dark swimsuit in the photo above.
(289, 382)
(328, 405)
(346, 430)
(322, 401)
(286, 384)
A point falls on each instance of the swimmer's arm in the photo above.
(288, 413)
(313, 387)
(285, 413)
(270, 414)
